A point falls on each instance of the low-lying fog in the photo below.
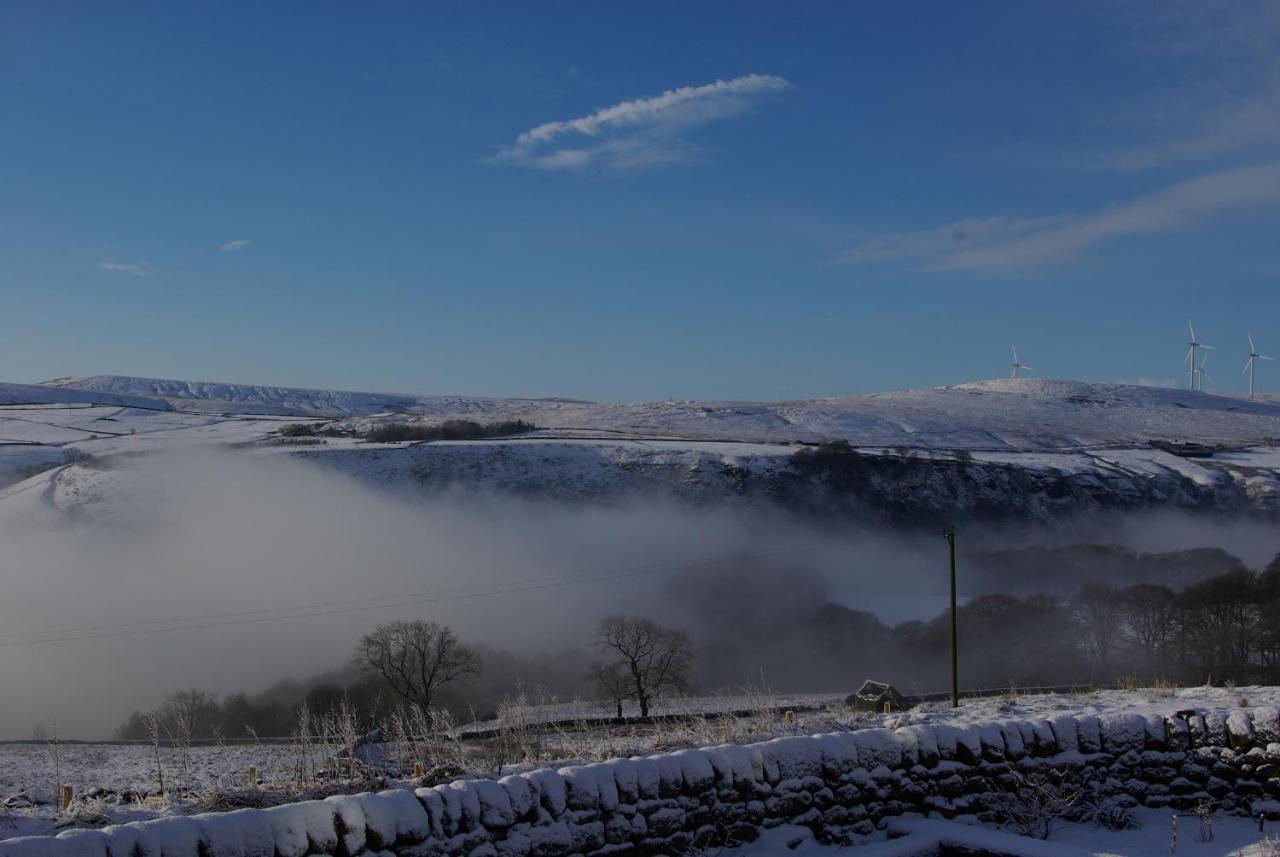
(286, 565)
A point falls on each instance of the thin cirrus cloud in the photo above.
(994, 243)
(126, 268)
(1228, 105)
(234, 246)
(638, 134)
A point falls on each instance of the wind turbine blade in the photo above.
(1263, 357)
(1206, 347)
(1014, 348)
(1192, 329)
(1191, 352)
(1251, 347)
(1247, 364)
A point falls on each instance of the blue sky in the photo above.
(717, 200)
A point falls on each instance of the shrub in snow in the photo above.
(1115, 814)
(1038, 803)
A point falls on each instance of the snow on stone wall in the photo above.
(849, 783)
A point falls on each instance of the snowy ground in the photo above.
(121, 782)
(1232, 837)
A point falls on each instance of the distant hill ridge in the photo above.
(285, 400)
(1007, 414)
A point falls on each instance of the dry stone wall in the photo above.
(842, 785)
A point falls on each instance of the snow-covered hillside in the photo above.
(1020, 448)
(1009, 414)
(253, 398)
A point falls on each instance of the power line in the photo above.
(332, 608)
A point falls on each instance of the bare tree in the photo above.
(1150, 613)
(613, 681)
(655, 658)
(416, 659)
(1099, 611)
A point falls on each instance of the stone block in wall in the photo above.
(550, 840)
(496, 812)
(1089, 734)
(626, 780)
(670, 774)
(1014, 748)
(666, 821)
(520, 796)
(926, 743)
(1157, 736)
(991, 740)
(1239, 726)
(1179, 732)
(587, 836)
(795, 757)
(1215, 726)
(306, 827)
(394, 817)
(349, 822)
(958, 743)
(551, 789)
(246, 833)
(1122, 733)
(122, 839)
(908, 748)
(1043, 741)
(1266, 724)
(648, 780)
(876, 748)
(1066, 733)
(735, 764)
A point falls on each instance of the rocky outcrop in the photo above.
(890, 488)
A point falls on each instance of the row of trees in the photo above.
(419, 664)
(1225, 628)
(448, 430)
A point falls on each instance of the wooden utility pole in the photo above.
(950, 533)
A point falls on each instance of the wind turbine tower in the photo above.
(1018, 366)
(1193, 370)
(1254, 356)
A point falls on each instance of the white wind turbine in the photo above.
(1253, 357)
(1193, 370)
(1017, 365)
(1204, 359)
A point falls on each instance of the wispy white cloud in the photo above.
(942, 241)
(994, 243)
(1222, 60)
(233, 246)
(646, 132)
(126, 268)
